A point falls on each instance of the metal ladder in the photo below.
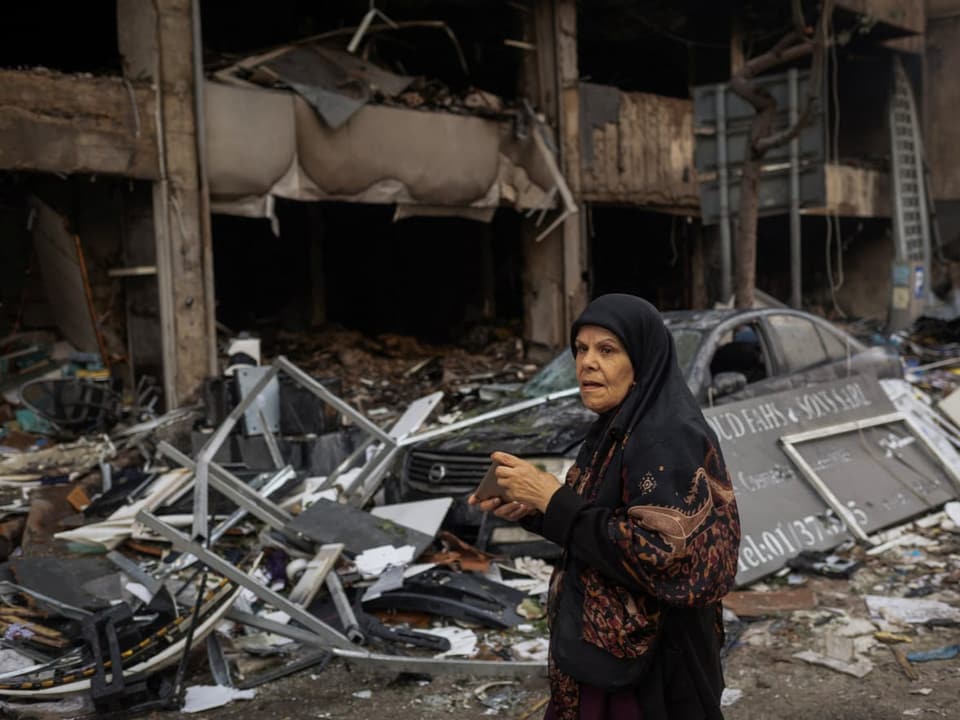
(911, 224)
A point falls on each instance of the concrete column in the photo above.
(555, 291)
(159, 41)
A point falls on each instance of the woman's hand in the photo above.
(523, 482)
(512, 511)
(526, 489)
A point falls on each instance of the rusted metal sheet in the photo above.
(52, 122)
(637, 148)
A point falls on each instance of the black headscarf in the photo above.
(658, 381)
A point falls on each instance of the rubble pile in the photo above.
(855, 608)
(148, 537)
(251, 532)
(381, 375)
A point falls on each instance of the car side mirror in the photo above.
(726, 383)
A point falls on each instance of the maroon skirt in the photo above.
(594, 703)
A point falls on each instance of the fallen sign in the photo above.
(847, 433)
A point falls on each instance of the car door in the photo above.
(739, 345)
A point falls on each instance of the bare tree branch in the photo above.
(813, 87)
(792, 46)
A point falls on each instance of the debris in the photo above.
(901, 657)
(859, 669)
(536, 649)
(730, 696)
(909, 540)
(463, 641)
(424, 516)
(946, 652)
(373, 562)
(747, 603)
(888, 638)
(823, 563)
(205, 697)
(952, 509)
(910, 610)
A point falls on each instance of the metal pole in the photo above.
(796, 258)
(500, 412)
(726, 264)
(210, 448)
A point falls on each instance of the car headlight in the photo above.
(556, 466)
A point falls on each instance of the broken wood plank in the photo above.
(316, 573)
(746, 603)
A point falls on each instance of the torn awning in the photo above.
(264, 143)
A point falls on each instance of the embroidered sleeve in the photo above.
(673, 537)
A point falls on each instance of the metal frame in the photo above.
(366, 481)
(314, 632)
(323, 632)
(788, 442)
(481, 668)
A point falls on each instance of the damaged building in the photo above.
(197, 196)
(430, 169)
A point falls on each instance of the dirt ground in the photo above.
(774, 684)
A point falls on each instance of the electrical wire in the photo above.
(833, 155)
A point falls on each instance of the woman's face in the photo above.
(604, 371)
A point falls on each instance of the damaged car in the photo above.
(726, 356)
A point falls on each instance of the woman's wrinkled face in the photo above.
(604, 371)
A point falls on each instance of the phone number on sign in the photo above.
(789, 537)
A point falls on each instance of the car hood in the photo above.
(553, 428)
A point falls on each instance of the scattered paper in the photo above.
(371, 563)
(463, 642)
(205, 697)
(859, 669)
(730, 696)
(910, 610)
(363, 694)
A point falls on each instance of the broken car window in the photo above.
(799, 341)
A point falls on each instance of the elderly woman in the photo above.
(648, 525)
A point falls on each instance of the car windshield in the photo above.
(561, 374)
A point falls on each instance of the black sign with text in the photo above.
(884, 474)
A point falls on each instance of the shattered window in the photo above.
(800, 341)
(836, 346)
(687, 342)
(558, 374)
